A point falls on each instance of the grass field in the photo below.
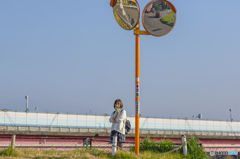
(80, 153)
(169, 19)
(149, 149)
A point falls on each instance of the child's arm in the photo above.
(112, 118)
(122, 117)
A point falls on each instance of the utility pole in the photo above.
(231, 114)
(26, 97)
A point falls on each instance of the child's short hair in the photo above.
(118, 101)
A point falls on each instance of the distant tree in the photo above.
(165, 6)
(156, 7)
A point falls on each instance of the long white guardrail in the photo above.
(132, 131)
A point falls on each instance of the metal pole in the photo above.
(26, 97)
(13, 141)
(47, 118)
(15, 118)
(185, 145)
(114, 145)
(231, 114)
(87, 143)
(137, 90)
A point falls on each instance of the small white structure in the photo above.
(184, 141)
(114, 145)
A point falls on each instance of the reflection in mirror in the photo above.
(158, 18)
(127, 13)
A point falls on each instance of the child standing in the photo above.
(118, 119)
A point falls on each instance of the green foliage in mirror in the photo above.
(158, 18)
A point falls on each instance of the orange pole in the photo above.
(137, 91)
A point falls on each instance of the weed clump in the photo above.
(194, 149)
(9, 152)
(154, 146)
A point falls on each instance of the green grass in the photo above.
(83, 154)
(154, 146)
(149, 149)
(169, 19)
(195, 151)
(9, 152)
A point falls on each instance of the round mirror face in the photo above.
(127, 13)
(159, 17)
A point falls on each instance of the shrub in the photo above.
(165, 146)
(194, 150)
(9, 152)
(154, 146)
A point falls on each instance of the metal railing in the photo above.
(16, 141)
(22, 129)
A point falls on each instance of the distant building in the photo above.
(149, 8)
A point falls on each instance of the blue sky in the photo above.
(71, 56)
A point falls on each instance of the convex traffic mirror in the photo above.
(127, 13)
(159, 17)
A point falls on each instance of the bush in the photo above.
(165, 146)
(154, 146)
(9, 152)
(194, 150)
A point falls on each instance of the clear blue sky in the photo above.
(71, 56)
